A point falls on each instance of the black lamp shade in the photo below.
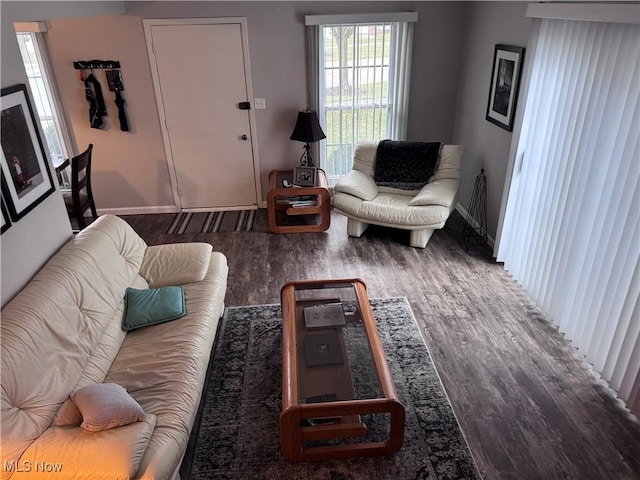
(307, 128)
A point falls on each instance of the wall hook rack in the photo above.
(89, 64)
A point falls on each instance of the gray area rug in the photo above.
(212, 222)
(237, 435)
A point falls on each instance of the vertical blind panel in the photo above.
(400, 76)
(623, 357)
(571, 228)
(628, 375)
(565, 122)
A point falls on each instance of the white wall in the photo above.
(129, 169)
(29, 243)
(487, 145)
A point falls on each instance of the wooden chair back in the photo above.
(81, 180)
(81, 173)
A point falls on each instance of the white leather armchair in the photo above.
(363, 202)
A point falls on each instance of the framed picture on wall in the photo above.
(6, 221)
(26, 176)
(505, 83)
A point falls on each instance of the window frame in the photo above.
(381, 130)
(399, 57)
(37, 31)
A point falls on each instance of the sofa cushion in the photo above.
(96, 369)
(393, 210)
(450, 163)
(152, 306)
(437, 192)
(364, 158)
(176, 263)
(54, 329)
(106, 405)
(169, 385)
(358, 184)
(79, 454)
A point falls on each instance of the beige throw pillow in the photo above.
(106, 405)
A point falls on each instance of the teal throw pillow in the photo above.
(153, 306)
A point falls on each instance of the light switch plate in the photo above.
(260, 103)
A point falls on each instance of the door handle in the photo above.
(244, 137)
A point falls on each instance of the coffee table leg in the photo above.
(291, 434)
(292, 440)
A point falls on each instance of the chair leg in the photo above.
(355, 228)
(81, 222)
(92, 204)
(420, 238)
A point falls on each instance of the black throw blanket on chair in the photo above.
(405, 165)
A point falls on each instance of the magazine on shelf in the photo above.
(306, 203)
(298, 200)
(322, 316)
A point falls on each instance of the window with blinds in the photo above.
(571, 232)
(355, 89)
(359, 72)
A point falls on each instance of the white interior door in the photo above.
(201, 78)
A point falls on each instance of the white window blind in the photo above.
(360, 76)
(571, 232)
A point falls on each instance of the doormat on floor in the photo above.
(237, 436)
(212, 222)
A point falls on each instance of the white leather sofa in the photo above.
(423, 211)
(63, 331)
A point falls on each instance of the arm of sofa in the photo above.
(175, 263)
(358, 184)
(436, 192)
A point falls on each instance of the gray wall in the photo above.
(453, 50)
(487, 145)
(29, 243)
(130, 169)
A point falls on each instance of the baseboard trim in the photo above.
(138, 210)
(219, 209)
(474, 224)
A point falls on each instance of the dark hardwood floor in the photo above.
(523, 397)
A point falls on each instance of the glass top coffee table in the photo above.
(338, 398)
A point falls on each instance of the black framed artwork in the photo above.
(505, 84)
(6, 221)
(26, 176)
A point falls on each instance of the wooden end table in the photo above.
(282, 201)
(320, 403)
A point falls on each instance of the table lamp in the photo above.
(307, 130)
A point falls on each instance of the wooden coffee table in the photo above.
(319, 402)
(281, 203)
